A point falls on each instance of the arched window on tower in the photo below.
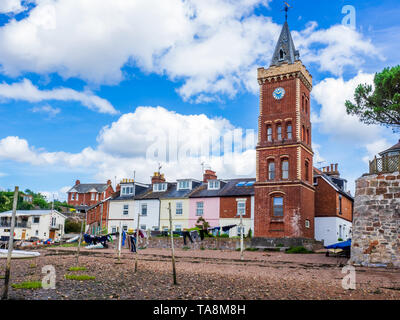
(303, 133)
(281, 54)
(277, 206)
(285, 169)
(271, 170)
(308, 136)
(302, 103)
(269, 133)
(289, 130)
(307, 171)
(279, 131)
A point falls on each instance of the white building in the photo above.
(42, 224)
(330, 229)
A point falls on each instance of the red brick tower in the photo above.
(284, 192)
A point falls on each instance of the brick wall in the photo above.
(376, 221)
(228, 207)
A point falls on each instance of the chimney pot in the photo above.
(209, 175)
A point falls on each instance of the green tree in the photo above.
(72, 226)
(379, 105)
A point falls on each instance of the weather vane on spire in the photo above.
(286, 8)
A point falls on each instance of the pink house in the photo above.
(205, 202)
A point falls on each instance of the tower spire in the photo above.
(285, 51)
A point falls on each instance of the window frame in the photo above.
(269, 133)
(125, 209)
(289, 134)
(143, 206)
(285, 160)
(198, 208)
(274, 197)
(240, 202)
(180, 203)
(273, 172)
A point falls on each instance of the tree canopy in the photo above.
(379, 104)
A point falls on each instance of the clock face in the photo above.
(279, 93)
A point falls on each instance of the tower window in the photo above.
(269, 133)
(285, 169)
(277, 206)
(308, 136)
(289, 131)
(281, 55)
(303, 133)
(271, 170)
(279, 132)
(307, 171)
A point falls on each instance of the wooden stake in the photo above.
(241, 237)
(172, 244)
(80, 240)
(120, 241)
(137, 242)
(10, 246)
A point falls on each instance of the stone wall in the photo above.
(207, 243)
(376, 221)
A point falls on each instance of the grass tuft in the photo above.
(82, 277)
(28, 285)
(77, 269)
(298, 250)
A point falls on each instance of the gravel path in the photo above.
(207, 274)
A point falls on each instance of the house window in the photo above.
(113, 230)
(143, 209)
(308, 224)
(289, 131)
(340, 204)
(159, 187)
(77, 196)
(279, 131)
(199, 208)
(271, 170)
(213, 184)
(183, 185)
(125, 228)
(72, 196)
(178, 227)
(36, 232)
(92, 196)
(143, 227)
(126, 209)
(179, 208)
(285, 169)
(53, 221)
(241, 208)
(36, 219)
(269, 133)
(278, 206)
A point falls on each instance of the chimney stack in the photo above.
(209, 175)
(77, 182)
(157, 178)
(332, 170)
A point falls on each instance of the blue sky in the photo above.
(80, 83)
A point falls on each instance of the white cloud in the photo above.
(26, 91)
(124, 147)
(335, 48)
(59, 195)
(11, 6)
(213, 46)
(49, 110)
(2, 174)
(333, 120)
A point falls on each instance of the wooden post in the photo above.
(120, 241)
(172, 244)
(80, 240)
(137, 242)
(10, 246)
(241, 237)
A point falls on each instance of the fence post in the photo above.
(137, 242)
(172, 243)
(10, 245)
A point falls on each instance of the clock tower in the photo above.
(284, 191)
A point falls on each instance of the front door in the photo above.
(52, 234)
(23, 235)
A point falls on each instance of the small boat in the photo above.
(18, 254)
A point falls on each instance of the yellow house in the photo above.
(178, 197)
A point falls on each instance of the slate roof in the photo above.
(173, 193)
(228, 188)
(86, 187)
(139, 191)
(149, 194)
(30, 213)
(285, 43)
(396, 147)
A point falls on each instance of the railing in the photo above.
(17, 225)
(387, 164)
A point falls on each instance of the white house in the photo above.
(122, 209)
(42, 224)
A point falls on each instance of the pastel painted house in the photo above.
(122, 208)
(178, 197)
